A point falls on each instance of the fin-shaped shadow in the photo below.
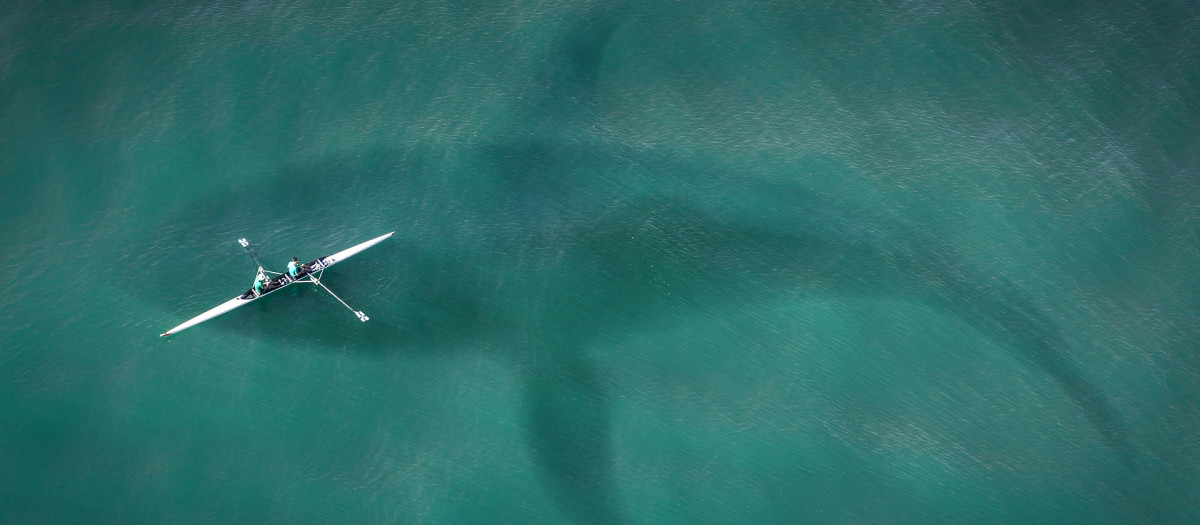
(569, 435)
(803, 237)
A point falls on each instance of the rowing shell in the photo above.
(278, 283)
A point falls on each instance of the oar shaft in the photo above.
(361, 316)
(246, 244)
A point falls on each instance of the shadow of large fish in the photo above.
(567, 191)
(789, 234)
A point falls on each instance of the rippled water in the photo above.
(884, 262)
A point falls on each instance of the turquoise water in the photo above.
(700, 262)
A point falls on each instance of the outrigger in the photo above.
(309, 273)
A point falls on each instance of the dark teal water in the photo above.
(670, 262)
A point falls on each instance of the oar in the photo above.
(246, 244)
(361, 316)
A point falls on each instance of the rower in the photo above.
(293, 267)
(260, 284)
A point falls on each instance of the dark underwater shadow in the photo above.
(790, 235)
(583, 198)
(791, 240)
(569, 434)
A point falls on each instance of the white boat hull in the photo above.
(222, 308)
(345, 254)
(283, 281)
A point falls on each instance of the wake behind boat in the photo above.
(308, 273)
